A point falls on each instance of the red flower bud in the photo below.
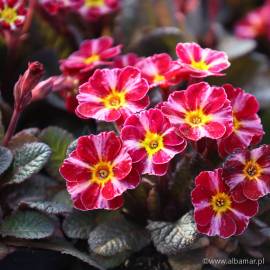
(25, 84)
(42, 89)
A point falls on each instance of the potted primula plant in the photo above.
(164, 170)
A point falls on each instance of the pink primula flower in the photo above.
(151, 141)
(94, 9)
(98, 171)
(199, 62)
(113, 94)
(247, 173)
(92, 54)
(12, 14)
(247, 127)
(159, 70)
(200, 111)
(216, 212)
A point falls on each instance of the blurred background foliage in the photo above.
(147, 27)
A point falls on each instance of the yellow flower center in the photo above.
(91, 59)
(236, 123)
(115, 100)
(221, 202)
(201, 65)
(197, 118)
(158, 78)
(8, 15)
(102, 173)
(94, 3)
(252, 170)
(152, 143)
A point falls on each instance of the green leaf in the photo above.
(58, 139)
(63, 197)
(117, 236)
(28, 160)
(172, 238)
(78, 225)
(48, 207)
(112, 261)
(37, 188)
(71, 147)
(25, 136)
(5, 159)
(27, 225)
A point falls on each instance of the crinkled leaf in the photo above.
(28, 160)
(58, 139)
(63, 197)
(116, 236)
(48, 207)
(112, 261)
(5, 159)
(37, 188)
(28, 135)
(27, 225)
(78, 225)
(71, 147)
(188, 260)
(172, 238)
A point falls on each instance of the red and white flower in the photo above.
(159, 70)
(199, 62)
(113, 94)
(247, 173)
(54, 6)
(247, 127)
(200, 111)
(12, 14)
(92, 53)
(215, 210)
(151, 141)
(254, 24)
(129, 59)
(98, 171)
(94, 9)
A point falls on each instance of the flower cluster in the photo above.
(93, 9)
(54, 6)
(90, 10)
(226, 199)
(102, 167)
(216, 211)
(255, 24)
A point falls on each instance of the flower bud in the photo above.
(25, 84)
(42, 89)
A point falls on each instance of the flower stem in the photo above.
(12, 126)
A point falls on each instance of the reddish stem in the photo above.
(29, 17)
(12, 126)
